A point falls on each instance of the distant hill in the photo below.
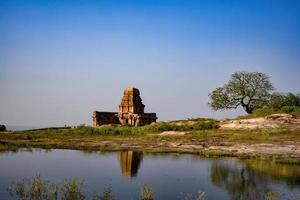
(22, 128)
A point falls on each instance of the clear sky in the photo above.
(60, 60)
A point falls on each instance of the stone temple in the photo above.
(131, 112)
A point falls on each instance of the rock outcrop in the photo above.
(270, 121)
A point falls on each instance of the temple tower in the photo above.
(131, 109)
(131, 112)
(131, 102)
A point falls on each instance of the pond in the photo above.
(172, 176)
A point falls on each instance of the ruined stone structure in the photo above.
(131, 112)
(100, 118)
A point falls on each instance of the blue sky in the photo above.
(60, 60)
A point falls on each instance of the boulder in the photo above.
(280, 117)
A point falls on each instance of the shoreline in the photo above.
(281, 153)
(202, 136)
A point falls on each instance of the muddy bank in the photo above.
(226, 148)
(216, 148)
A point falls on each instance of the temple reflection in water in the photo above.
(130, 162)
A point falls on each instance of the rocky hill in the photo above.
(280, 120)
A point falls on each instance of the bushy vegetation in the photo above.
(181, 126)
(293, 110)
(185, 125)
(106, 195)
(205, 125)
(279, 100)
(39, 189)
(2, 128)
(199, 196)
(280, 103)
(146, 193)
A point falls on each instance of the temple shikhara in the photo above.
(131, 112)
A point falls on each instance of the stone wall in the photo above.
(147, 118)
(101, 118)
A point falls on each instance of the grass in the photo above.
(146, 193)
(208, 132)
(40, 189)
(203, 132)
(149, 134)
(262, 112)
(115, 130)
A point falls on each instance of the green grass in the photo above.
(71, 137)
(197, 130)
(203, 132)
(198, 124)
(40, 189)
(262, 112)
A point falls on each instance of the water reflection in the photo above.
(241, 182)
(290, 174)
(252, 179)
(171, 176)
(130, 162)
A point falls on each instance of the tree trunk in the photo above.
(248, 109)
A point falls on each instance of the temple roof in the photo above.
(131, 90)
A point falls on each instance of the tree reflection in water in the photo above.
(130, 162)
(239, 180)
(290, 174)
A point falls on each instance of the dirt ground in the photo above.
(270, 121)
(230, 139)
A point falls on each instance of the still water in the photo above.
(171, 176)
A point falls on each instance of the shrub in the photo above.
(261, 112)
(147, 193)
(39, 189)
(160, 127)
(106, 130)
(2, 128)
(172, 126)
(279, 100)
(293, 110)
(34, 189)
(205, 125)
(279, 103)
(200, 196)
(72, 190)
(106, 195)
